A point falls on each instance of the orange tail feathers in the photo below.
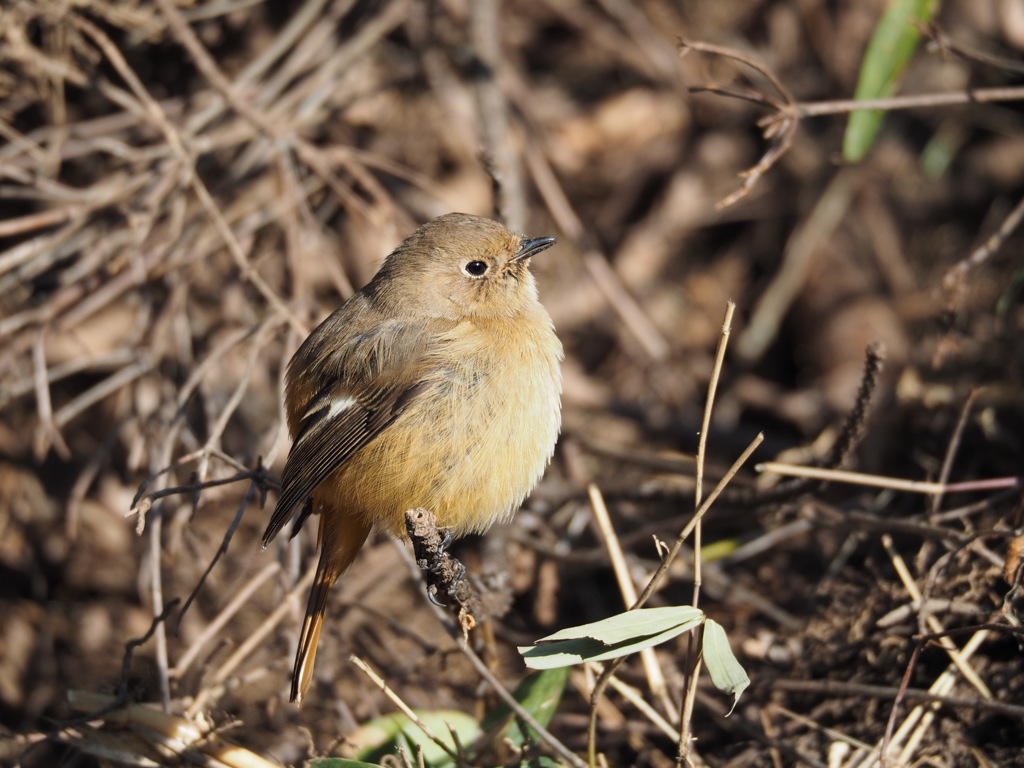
(341, 537)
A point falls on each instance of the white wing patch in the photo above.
(337, 406)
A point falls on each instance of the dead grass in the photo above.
(187, 188)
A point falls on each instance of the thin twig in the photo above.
(955, 277)
(892, 483)
(493, 115)
(797, 261)
(648, 657)
(695, 642)
(455, 631)
(213, 628)
(841, 689)
(655, 581)
(951, 450)
(754, 732)
(221, 551)
(48, 433)
(780, 131)
(406, 710)
(918, 599)
(920, 101)
(121, 694)
(922, 714)
(143, 500)
(250, 644)
(175, 140)
(781, 125)
(641, 328)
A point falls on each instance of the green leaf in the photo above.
(725, 671)
(539, 695)
(631, 624)
(1011, 294)
(618, 635)
(383, 735)
(942, 148)
(716, 550)
(892, 45)
(340, 762)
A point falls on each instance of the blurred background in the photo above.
(187, 188)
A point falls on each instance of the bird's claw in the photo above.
(446, 540)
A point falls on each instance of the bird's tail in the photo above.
(340, 542)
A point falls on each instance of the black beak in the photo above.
(532, 246)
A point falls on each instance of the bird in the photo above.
(436, 385)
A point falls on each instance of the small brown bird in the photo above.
(437, 385)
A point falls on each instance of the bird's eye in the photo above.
(475, 268)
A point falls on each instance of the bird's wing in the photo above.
(377, 377)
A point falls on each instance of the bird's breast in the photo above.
(475, 441)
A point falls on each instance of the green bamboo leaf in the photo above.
(383, 735)
(892, 45)
(539, 695)
(1011, 294)
(725, 671)
(631, 624)
(610, 638)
